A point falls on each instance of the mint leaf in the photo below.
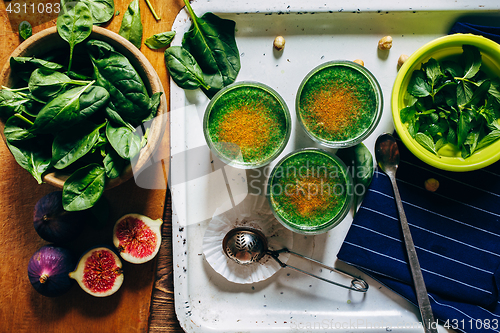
(472, 58)
(464, 92)
(488, 139)
(426, 142)
(433, 71)
(418, 86)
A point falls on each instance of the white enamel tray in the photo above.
(315, 32)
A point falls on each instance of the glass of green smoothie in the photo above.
(339, 103)
(247, 124)
(310, 191)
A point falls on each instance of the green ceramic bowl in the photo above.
(247, 124)
(310, 191)
(438, 49)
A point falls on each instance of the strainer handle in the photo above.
(357, 283)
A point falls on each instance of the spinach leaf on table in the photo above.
(131, 26)
(184, 69)
(359, 162)
(45, 85)
(25, 30)
(211, 41)
(157, 41)
(60, 113)
(24, 66)
(74, 143)
(84, 187)
(74, 25)
(32, 155)
(114, 72)
(124, 141)
(102, 10)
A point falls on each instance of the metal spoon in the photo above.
(248, 245)
(387, 155)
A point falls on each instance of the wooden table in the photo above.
(145, 301)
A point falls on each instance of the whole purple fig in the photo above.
(49, 268)
(53, 223)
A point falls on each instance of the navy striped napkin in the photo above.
(456, 231)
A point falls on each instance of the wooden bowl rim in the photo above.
(159, 125)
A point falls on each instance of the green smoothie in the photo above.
(310, 191)
(252, 119)
(338, 102)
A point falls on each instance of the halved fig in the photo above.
(137, 238)
(99, 272)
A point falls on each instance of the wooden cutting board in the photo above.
(22, 309)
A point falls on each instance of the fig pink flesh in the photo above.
(135, 237)
(100, 271)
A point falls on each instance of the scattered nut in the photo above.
(402, 59)
(279, 43)
(359, 61)
(385, 43)
(431, 184)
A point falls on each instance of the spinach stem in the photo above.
(153, 11)
(20, 116)
(15, 90)
(70, 58)
(191, 12)
(80, 82)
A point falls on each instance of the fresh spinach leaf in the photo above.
(60, 113)
(84, 187)
(11, 102)
(17, 130)
(211, 41)
(74, 25)
(131, 26)
(32, 155)
(126, 143)
(45, 85)
(114, 117)
(25, 30)
(24, 66)
(102, 10)
(93, 99)
(74, 143)
(184, 69)
(157, 41)
(113, 164)
(359, 161)
(128, 95)
(154, 103)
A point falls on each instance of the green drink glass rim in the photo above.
(375, 119)
(251, 84)
(312, 230)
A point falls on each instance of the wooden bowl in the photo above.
(49, 39)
